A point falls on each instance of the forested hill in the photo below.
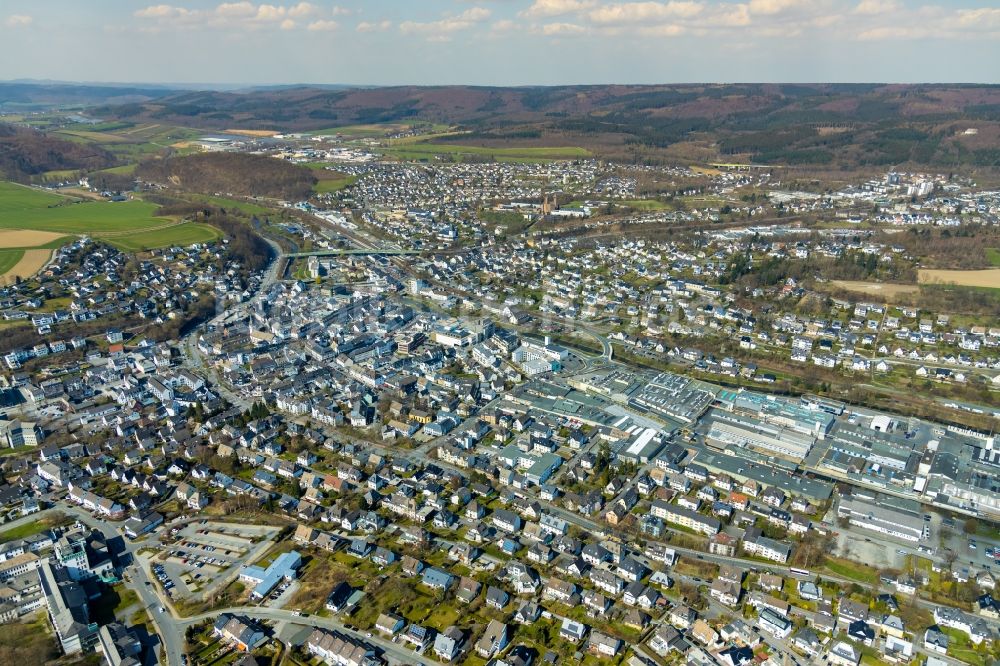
(233, 173)
(26, 152)
(840, 125)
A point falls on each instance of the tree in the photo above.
(971, 526)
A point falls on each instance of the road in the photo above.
(171, 633)
(395, 651)
(171, 627)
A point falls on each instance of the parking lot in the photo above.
(206, 553)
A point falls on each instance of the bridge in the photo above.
(354, 252)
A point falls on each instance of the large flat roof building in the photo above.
(68, 611)
(878, 517)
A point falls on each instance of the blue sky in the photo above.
(501, 42)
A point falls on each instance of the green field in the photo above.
(419, 151)
(852, 570)
(25, 530)
(129, 225)
(993, 254)
(334, 184)
(26, 208)
(223, 202)
(124, 169)
(9, 259)
(183, 234)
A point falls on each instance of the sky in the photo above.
(500, 42)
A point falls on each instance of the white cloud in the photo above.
(342, 11)
(162, 12)
(303, 10)
(18, 20)
(985, 18)
(559, 29)
(892, 32)
(875, 7)
(771, 7)
(242, 14)
(439, 30)
(240, 10)
(549, 8)
(380, 26)
(322, 26)
(644, 12)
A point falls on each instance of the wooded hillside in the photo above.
(26, 152)
(231, 173)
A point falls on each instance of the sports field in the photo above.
(889, 290)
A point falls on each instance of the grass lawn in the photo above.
(184, 234)
(961, 648)
(224, 202)
(9, 259)
(852, 570)
(993, 254)
(124, 169)
(53, 304)
(17, 450)
(59, 174)
(126, 597)
(25, 530)
(325, 186)
(443, 616)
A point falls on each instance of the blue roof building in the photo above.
(284, 567)
(437, 578)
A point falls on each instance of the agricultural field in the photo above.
(128, 141)
(9, 259)
(26, 208)
(34, 222)
(28, 263)
(380, 129)
(988, 278)
(252, 132)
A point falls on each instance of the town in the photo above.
(514, 447)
